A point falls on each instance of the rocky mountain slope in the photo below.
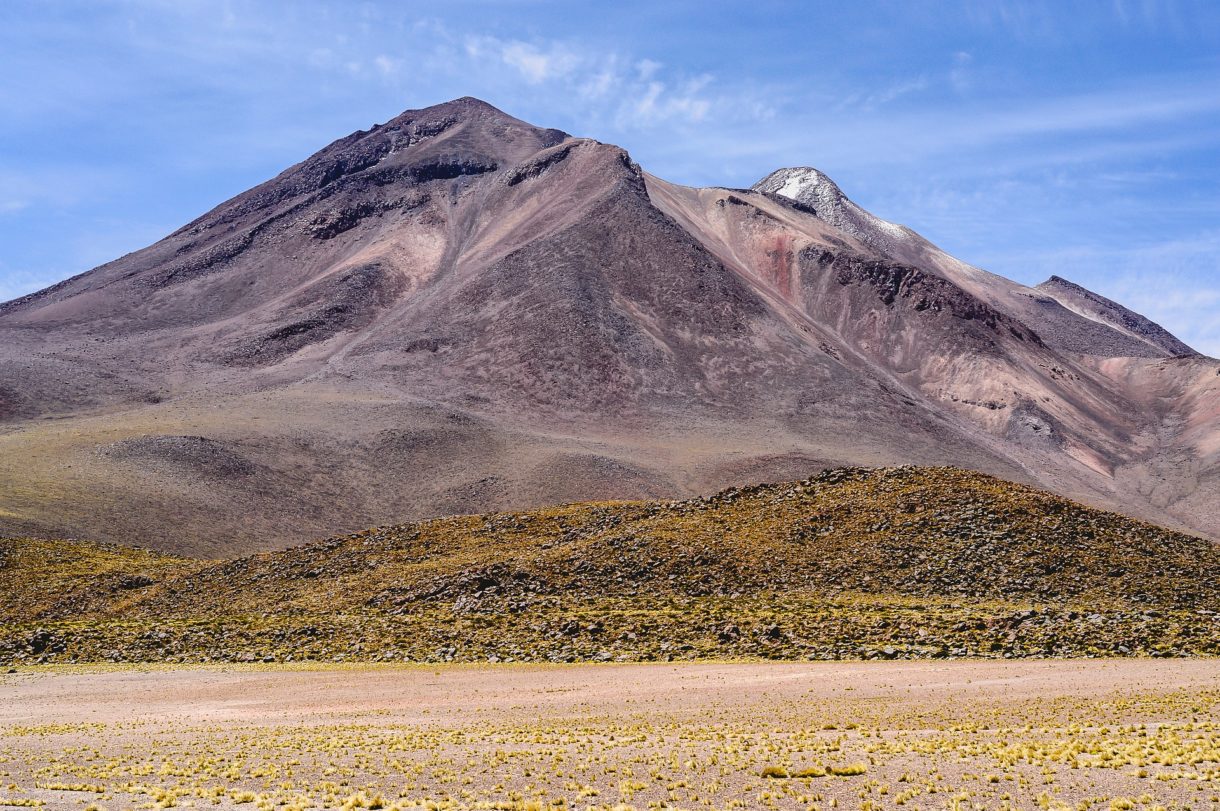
(456, 312)
(1115, 316)
(909, 562)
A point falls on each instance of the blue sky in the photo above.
(1030, 138)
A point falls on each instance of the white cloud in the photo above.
(869, 100)
(658, 103)
(535, 63)
(599, 84)
(648, 102)
(626, 91)
(898, 90)
(388, 65)
(647, 68)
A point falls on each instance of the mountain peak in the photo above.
(464, 107)
(801, 183)
(471, 101)
(814, 189)
(1099, 308)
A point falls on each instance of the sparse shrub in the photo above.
(812, 771)
(850, 770)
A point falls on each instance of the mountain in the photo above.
(851, 563)
(1115, 316)
(456, 311)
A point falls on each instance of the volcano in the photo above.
(457, 312)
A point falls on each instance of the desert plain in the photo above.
(1112, 734)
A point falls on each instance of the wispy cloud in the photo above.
(961, 78)
(535, 63)
(873, 99)
(624, 89)
(387, 65)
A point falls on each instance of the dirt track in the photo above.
(459, 695)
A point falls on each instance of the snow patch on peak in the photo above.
(812, 188)
(804, 184)
(801, 182)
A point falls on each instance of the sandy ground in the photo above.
(921, 734)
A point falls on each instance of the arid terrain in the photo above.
(1058, 657)
(437, 459)
(849, 564)
(459, 312)
(962, 735)
(738, 498)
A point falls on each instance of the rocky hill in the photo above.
(851, 563)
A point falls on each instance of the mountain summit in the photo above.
(457, 311)
(811, 188)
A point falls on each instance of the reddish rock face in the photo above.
(456, 311)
